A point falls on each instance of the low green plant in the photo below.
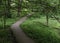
(5, 33)
(40, 32)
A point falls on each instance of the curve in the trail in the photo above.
(21, 37)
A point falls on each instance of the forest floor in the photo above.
(21, 37)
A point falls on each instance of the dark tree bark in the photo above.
(4, 17)
(57, 18)
(47, 19)
(8, 9)
(19, 7)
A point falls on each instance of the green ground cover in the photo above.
(5, 33)
(37, 29)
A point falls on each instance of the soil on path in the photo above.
(21, 37)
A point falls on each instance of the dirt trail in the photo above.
(18, 32)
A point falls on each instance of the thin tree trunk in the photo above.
(47, 19)
(4, 18)
(8, 9)
(57, 18)
(19, 7)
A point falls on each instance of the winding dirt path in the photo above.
(19, 34)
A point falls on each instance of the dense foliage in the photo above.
(40, 32)
(40, 28)
(46, 11)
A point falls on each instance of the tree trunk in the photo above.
(47, 19)
(19, 7)
(8, 9)
(4, 18)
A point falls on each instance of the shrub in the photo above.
(40, 33)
